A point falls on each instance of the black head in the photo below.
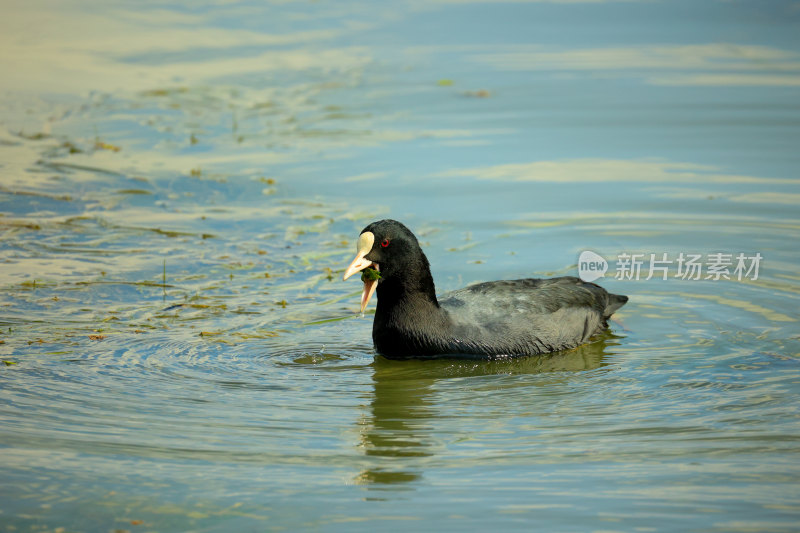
(389, 247)
(395, 249)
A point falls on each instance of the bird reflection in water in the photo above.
(399, 434)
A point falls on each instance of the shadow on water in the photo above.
(399, 431)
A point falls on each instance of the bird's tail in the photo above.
(615, 301)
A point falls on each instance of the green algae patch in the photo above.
(370, 274)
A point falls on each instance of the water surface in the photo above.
(182, 185)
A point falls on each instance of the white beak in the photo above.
(365, 242)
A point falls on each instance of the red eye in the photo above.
(385, 243)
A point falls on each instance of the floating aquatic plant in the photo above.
(370, 274)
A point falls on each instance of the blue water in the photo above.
(182, 186)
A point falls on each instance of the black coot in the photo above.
(489, 320)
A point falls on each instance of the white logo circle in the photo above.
(591, 266)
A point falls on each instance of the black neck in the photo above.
(413, 286)
(408, 319)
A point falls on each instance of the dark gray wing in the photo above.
(527, 316)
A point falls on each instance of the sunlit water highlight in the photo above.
(183, 185)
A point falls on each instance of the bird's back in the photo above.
(527, 316)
